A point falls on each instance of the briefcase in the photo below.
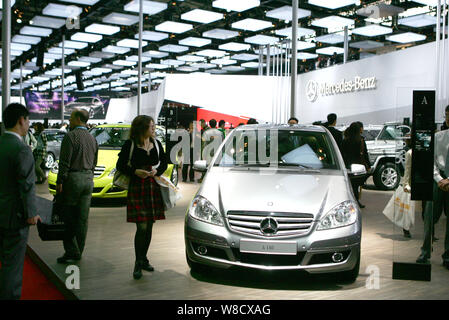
(52, 226)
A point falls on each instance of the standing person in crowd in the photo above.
(30, 140)
(352, 154)
(445, 125)
(77, 161)
(337, 134)
(434, 209)
(17, 199)
(203, 125)
(63, 127)
(209, 136)
(365, 158)
(40, 152)
(187, 167)
(144, 202)
(293, 121)
(221, 128)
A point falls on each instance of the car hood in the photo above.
(107, 158)
(285, 191)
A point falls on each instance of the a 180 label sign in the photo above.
(315, 89)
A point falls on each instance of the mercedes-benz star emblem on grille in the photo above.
(269, 226)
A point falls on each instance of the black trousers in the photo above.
(12, 256)
(188, 168)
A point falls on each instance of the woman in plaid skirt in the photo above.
(144, 202)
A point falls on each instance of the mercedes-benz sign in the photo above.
(312, 90)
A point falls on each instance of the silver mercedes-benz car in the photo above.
(276, 198)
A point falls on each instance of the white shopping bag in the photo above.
(401, 209)
(170, 192)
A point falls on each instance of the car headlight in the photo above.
(203, 210)
(342, 215)
(111, 174)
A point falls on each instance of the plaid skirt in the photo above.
(144, 202)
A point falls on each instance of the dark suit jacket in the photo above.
(17, 183)
(337, 134)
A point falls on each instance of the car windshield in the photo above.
(283, 148)
(110, 137)
(84, 100)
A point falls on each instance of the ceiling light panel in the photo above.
(35, 31)
(204, 65)
(333, 22)
(233, 68)
(419, 21)
(20, 46)
(88, 37)
(333, 4)
(330, 51)
(406, 37)
(245, 57)
(59, 10)
(261, 39)
(102, 29)
(250, 24)
(234, 46)
(306, 56)
(121, 19)
(67, 51)
(25, 39)
(48, 22)
(432, 3)
(90, 59)
(285, 13)
(224, 62)
(101, 55)
(301, 32)
(152, 36)
(201, 16)
(211, 53)
(236, 5)
(171, 62)
(190, 58)
(173, 48)
(195, 42)
(221, 34)
(74, 44)
(174, 27)
(136, 58)
(332, 38)
(124, 63)
(187, 69)
(80, 64)
(148, 7)
(217, 71)
(372, 30)
(155, 54)
(157, 66)
(130, 43)
(84, 2)
(366, 45)
(115, 49)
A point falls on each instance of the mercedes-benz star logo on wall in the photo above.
(312, 90)
(269, 226)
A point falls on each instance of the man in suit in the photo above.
(17, 199)
(337, 134)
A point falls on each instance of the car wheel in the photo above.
(49, 160)
(387, 177)
(351, 275)
(174, 175)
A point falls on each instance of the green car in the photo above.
(110, 138)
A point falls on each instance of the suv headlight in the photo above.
(203, 210)
(111, 174)
(341, 215)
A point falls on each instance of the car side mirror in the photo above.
(200, 165)
(357, 169)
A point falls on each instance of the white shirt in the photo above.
(16, 134)
(440, 154)
(208, 134)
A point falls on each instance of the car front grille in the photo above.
(98, 171)
(287, 223)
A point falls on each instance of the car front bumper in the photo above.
(314, 250)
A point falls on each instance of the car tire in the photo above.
(50, 160)
(387, 177)
(351, 275)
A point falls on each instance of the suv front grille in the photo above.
(98, 171)
(287, 223)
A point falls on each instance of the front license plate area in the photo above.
(268, 247)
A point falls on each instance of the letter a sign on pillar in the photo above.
(423, 129)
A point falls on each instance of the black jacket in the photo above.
(337, 134)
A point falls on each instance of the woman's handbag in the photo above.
(401, 209)
(52, 226)
(120, 179)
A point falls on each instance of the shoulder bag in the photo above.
(120, 179)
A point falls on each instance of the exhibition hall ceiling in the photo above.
(213, 36)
